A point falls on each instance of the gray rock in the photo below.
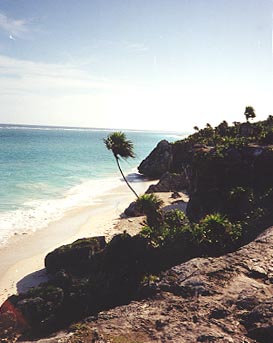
(169, 182)
(205, 300)
(132, 210)
(158, 162)
(74, 257)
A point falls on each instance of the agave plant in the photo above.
(150, 205)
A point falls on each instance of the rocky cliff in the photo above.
(211, 175)
(158, 162)
(206, 299)
(224, 299)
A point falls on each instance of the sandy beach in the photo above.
(22, 259)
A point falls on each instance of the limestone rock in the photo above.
(133, 210)
(74, 257)
(204, 300)
(169, 182)
(158, 162)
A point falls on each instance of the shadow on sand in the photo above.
(135, 177)
(32, 280)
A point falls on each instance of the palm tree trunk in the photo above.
(125, 178)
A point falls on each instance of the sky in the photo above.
(134, 64)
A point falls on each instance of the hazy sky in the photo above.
(142, 64)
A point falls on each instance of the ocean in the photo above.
(47, 171)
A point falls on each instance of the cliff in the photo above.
(224, 299)
(169, 289)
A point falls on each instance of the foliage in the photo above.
(175, 218)
(217, 232)
(151, 234)
(149, 279)
(148, 203)
(120, 146)
(223, 136)
(172, 225)
(239, 201)
(249, 113)
(212, 235)
(176, 224)
(223, 176)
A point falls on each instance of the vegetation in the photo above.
(231, 197)
(231, 201)
(223, 136)
(249, 113)
(212, 235)
(150, 205)
(120, 147)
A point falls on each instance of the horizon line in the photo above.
(88, 128)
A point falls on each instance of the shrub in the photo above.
(175, 218)
(216, 232)
(239, 201)
(175, 224)
(150, 233)
(150, 205)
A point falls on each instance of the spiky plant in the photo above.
(150, 205)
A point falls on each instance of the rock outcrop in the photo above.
(224, 299)
(158, 162)
(208, 175)
(75, 257)
(214, 299)
(170, 182)
(213, 176)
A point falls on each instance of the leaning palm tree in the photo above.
(120, 147)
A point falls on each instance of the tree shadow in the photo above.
(135, 177)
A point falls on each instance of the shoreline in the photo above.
(22, 258)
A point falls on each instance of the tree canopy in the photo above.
(249, 113)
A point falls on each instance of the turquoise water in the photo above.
(46, 171)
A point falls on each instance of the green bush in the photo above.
(217, 232)
(150, 205)
(172, 224)
(175, 224)
(175, 218)
(152, 234)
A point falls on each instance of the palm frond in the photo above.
(119, 145)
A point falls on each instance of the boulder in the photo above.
(133, 210)
(259, 322)
(158, 162)
(75, 257)
(170, 182)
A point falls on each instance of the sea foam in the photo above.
(38, 214)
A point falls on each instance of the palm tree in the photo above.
(249, 113)
(120, 147)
